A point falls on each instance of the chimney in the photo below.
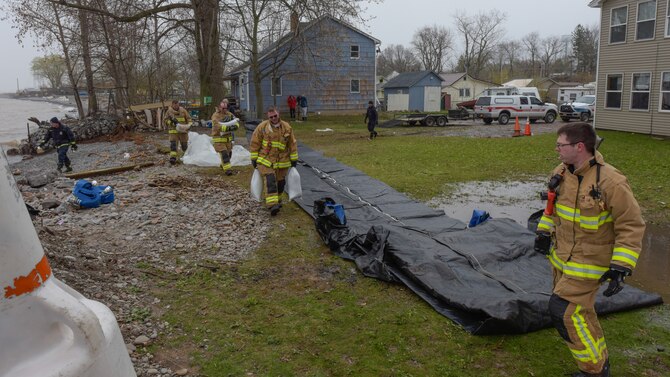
(295, 21)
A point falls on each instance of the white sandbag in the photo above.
(230, 122)
(293, 186)
(257, 186)
(183, 128)
(200, 151)
(241, 156)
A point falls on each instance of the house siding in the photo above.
(416, 91)
(476, 88)
(633, 57)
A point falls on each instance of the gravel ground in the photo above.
(165, 221)
(477, 128)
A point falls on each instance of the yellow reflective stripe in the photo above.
(254, 155)
(585, 355)
(282, 165)
(222, 139)
(265, 143)
(226, 166)
(622, 254)
(585, 335)
(264, 161)
(63, 145)
(586, 222)
(272, 199)
(173, 154)
(545, 223)
(293, 156)
(581, 270)
(172, 131)
(279, 145)
(181, 120)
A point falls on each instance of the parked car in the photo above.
(582, 108)
(503, 108)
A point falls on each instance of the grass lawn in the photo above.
(295, 309)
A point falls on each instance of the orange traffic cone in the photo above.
(526, 132)
(517, 128)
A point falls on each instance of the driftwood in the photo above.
(96, 172)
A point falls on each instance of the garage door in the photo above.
(431, 98)
(398, 102)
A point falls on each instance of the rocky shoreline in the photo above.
(166, 222)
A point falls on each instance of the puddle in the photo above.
(518, 200)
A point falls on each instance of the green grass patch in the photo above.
(295, 309)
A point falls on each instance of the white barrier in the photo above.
(47, 328)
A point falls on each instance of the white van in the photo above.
(510, 90)
(503, 108)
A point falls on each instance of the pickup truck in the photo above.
(582, 108)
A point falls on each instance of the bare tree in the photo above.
(510, 51)
(480, 34)
(397, 58)
(531, 42)
(550, 49)
(51, 68)
(432, 44)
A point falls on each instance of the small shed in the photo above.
(415, 91)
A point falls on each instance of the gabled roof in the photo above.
(408, 79)
(518, 82)
(303, 27)
(451, 78)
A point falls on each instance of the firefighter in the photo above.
(273, 151)
(176, 114)
(596, 232)
(222, 135)
(63, 138)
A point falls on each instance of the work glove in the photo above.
(294, 163)
(254, 163)
(616, 275)
(542, 243)
(74, 147)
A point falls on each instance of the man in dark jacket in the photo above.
(371, 118)
(63, 138)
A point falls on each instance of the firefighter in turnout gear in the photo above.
(222, 135)
(596, 231)
(63, 138)
(174, 115)
(273, 151)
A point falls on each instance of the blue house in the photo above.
(327, 60)
(420, 91)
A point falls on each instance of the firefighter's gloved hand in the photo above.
(543, 243)
(616, 275)
(74, 147)
(254, 163)
(294, 163)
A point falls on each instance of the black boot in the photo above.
(274, 210)
(173, 160)
(603, 373)
(68, 169)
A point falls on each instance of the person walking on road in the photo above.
(593, 235)
(371, 118)
(63, 139)
(274, 150)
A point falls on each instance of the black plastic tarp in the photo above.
(487, 278)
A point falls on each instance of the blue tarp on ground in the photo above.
(488, 279)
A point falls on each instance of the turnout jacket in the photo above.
(62, 136)
(274, 146)
(596, 222)
(221, 134)
(180, 115)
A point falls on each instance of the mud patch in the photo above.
(515, 200)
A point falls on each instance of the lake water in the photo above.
(15, 114)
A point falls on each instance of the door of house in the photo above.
(431, 98)
(447, 101)
(398, 102)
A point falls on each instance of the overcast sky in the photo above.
(395, 21)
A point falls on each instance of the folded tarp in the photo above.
(488, 279)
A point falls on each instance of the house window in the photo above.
(465, 92)
(613, 91)
(646, 20)
(639, 91)
(618, 21)
(667, 19)
(665, 91)
(275, 87)
(573, 96)
(355, 86)
(355, 52)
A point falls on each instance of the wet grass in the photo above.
(295, 309)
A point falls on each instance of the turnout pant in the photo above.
(225, 150)
(275, 181)
(573, 314)
(180, 137)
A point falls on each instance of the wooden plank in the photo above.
(150, 106)
(116, 169)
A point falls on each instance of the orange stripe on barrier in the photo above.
(30, 282)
